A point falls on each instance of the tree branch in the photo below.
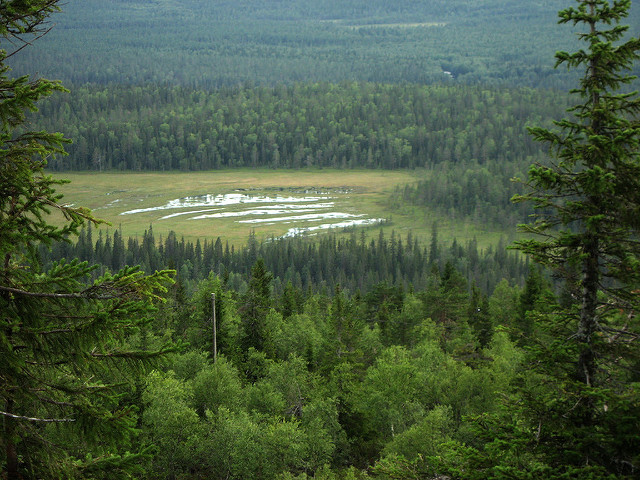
(32, 419)
(27, 44)
(78, 296)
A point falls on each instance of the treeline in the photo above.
(469, 190)
(355, 263)
(347, 125)
(208, 45)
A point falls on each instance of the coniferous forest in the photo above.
(356, 354)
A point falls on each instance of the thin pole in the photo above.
(215, 341)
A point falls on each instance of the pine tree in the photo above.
(530, 297)
(588, 199)
(64, 353)
(478, 314)
(590, 196)
(256, 303)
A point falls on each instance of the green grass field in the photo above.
(272, 202)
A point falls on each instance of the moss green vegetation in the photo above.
(354, 192)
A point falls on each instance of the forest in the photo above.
(347, 125)
(355, 263)
(349, 355)
(204, 45)
(471, 140)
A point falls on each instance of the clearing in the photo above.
(272, 203)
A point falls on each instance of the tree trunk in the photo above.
(588, 318)
(9, 435)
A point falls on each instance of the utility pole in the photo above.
(215, 340)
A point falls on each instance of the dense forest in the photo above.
(355, 263)
(352, 355)
(323, 357)
(206, 44)
(347, 125)
(471, 140)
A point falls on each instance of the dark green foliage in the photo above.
(196, 325)
(204, 44)
(337, 351)
(383, 303)
(479, 316)
(589, 196)
(446, 298)
(254, 307)
(480, 130)
(317, 264)
(575, 402)
(291, 300)
(344, 330)
(586, 231)
(531, 301)
(325, 377)
(65, 346)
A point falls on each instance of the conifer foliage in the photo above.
(64, 355)
(588, 199)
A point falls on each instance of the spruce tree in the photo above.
(587, 230)
(256, 303)
(589, 197)
(65, 356)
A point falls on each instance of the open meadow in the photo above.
(273, 203)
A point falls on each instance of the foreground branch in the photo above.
(32, 419)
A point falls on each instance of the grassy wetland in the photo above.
(272, 203)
